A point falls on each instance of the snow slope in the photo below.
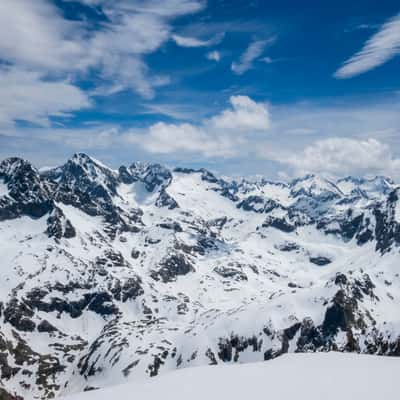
(329, 376)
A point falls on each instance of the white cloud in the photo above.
(379, 49)
(344, 156)
(186, 41)
(363, 138)
(245, 114)
(33, 34)
(28, 96)
(267, 60)
(214, 56)
(270, 60)
(136, 28)
(296, 140)
(290, 143)
(54, 52)
(87, 137)
(339, 118)
(162, 138)
(162, 8)
(254, 51)
(223, 135)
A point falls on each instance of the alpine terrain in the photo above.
(112, 276)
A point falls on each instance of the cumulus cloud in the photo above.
(162, 138)
(254, 51)
(345, 156)
(245, 114)
(380, 48)
(220, 136)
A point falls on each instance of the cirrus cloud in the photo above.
(254, 51)
(380, 48)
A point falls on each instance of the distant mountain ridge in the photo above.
(110, 275)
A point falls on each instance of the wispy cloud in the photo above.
(187, 41)
(176, 111)
(380, 48)
(254, 51)
(270, 60)
(214, 56)
(54, 53)
(30, 97)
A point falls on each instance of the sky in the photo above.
(242, 87)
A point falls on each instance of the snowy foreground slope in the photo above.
(110, 276)
(328, 376)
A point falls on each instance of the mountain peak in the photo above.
(12, 164)
(314, 186)
(86, 160)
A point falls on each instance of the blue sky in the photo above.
(241, 87)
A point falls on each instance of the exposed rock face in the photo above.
(279, 223)
(231, 273)
(58, 226)
(320, 260)
(27, 194)
(387, 229)
(19, 315)
(171, 267)
(115, 274)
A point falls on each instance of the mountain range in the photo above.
(114, 275)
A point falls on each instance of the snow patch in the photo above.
(3, 189)
(397, 212)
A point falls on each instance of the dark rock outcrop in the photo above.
(172, 267)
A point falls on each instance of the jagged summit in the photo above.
(366, 186)
(24, 192)
(8, 165)
(114, 275)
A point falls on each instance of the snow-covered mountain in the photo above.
(109, 276)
